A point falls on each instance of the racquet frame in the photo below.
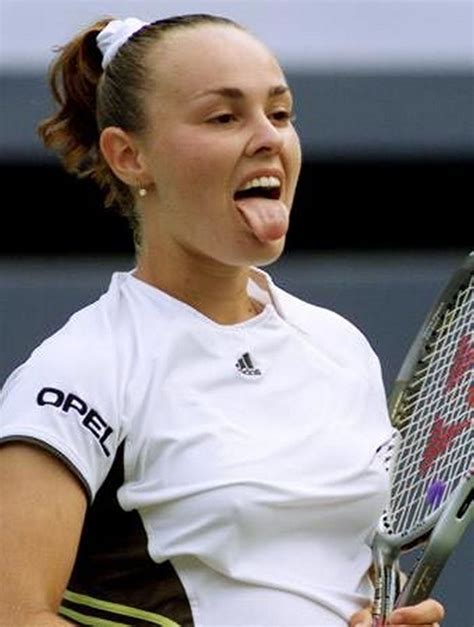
(444, 527)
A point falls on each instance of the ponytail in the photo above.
(72, 130)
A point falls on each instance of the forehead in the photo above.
(212, 56)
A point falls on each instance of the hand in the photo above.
(429, 613)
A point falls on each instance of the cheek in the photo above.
(192, 178)
(293, 161)
(295, 151)
(199, 151)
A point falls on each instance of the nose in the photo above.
(265, 137)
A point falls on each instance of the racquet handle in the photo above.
(387, 580)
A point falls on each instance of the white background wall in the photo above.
(356, 34)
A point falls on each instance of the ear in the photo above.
(123, 155)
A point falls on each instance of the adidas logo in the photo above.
(246, 367)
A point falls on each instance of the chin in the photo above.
(268, 252)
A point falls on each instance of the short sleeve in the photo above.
(64, 398)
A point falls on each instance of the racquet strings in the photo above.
(435, 419)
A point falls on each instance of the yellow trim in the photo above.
(117, 608)
(82, 619)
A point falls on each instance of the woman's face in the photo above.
(219, 113)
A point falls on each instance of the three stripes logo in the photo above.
(246, 367)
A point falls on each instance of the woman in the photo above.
(197, 447)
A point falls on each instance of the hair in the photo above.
(90, 99)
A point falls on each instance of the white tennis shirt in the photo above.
(251, 452)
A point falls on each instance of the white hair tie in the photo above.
(114, 35)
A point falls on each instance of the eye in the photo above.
(223, 118)
(283, 116)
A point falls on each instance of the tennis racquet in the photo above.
(430, 458)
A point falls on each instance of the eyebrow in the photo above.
(237, 94)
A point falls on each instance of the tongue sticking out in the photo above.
(268, 219)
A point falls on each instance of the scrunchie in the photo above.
(114, 35)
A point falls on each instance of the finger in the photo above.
(415, 624)
(363, 618)
(424, 613)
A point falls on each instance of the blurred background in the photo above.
(385, 106)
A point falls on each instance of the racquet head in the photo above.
(432, 408)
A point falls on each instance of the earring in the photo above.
(142, 192)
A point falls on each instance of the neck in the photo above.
(217, 291)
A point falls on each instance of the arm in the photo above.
(41, 516)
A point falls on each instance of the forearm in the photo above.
(30, 618)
